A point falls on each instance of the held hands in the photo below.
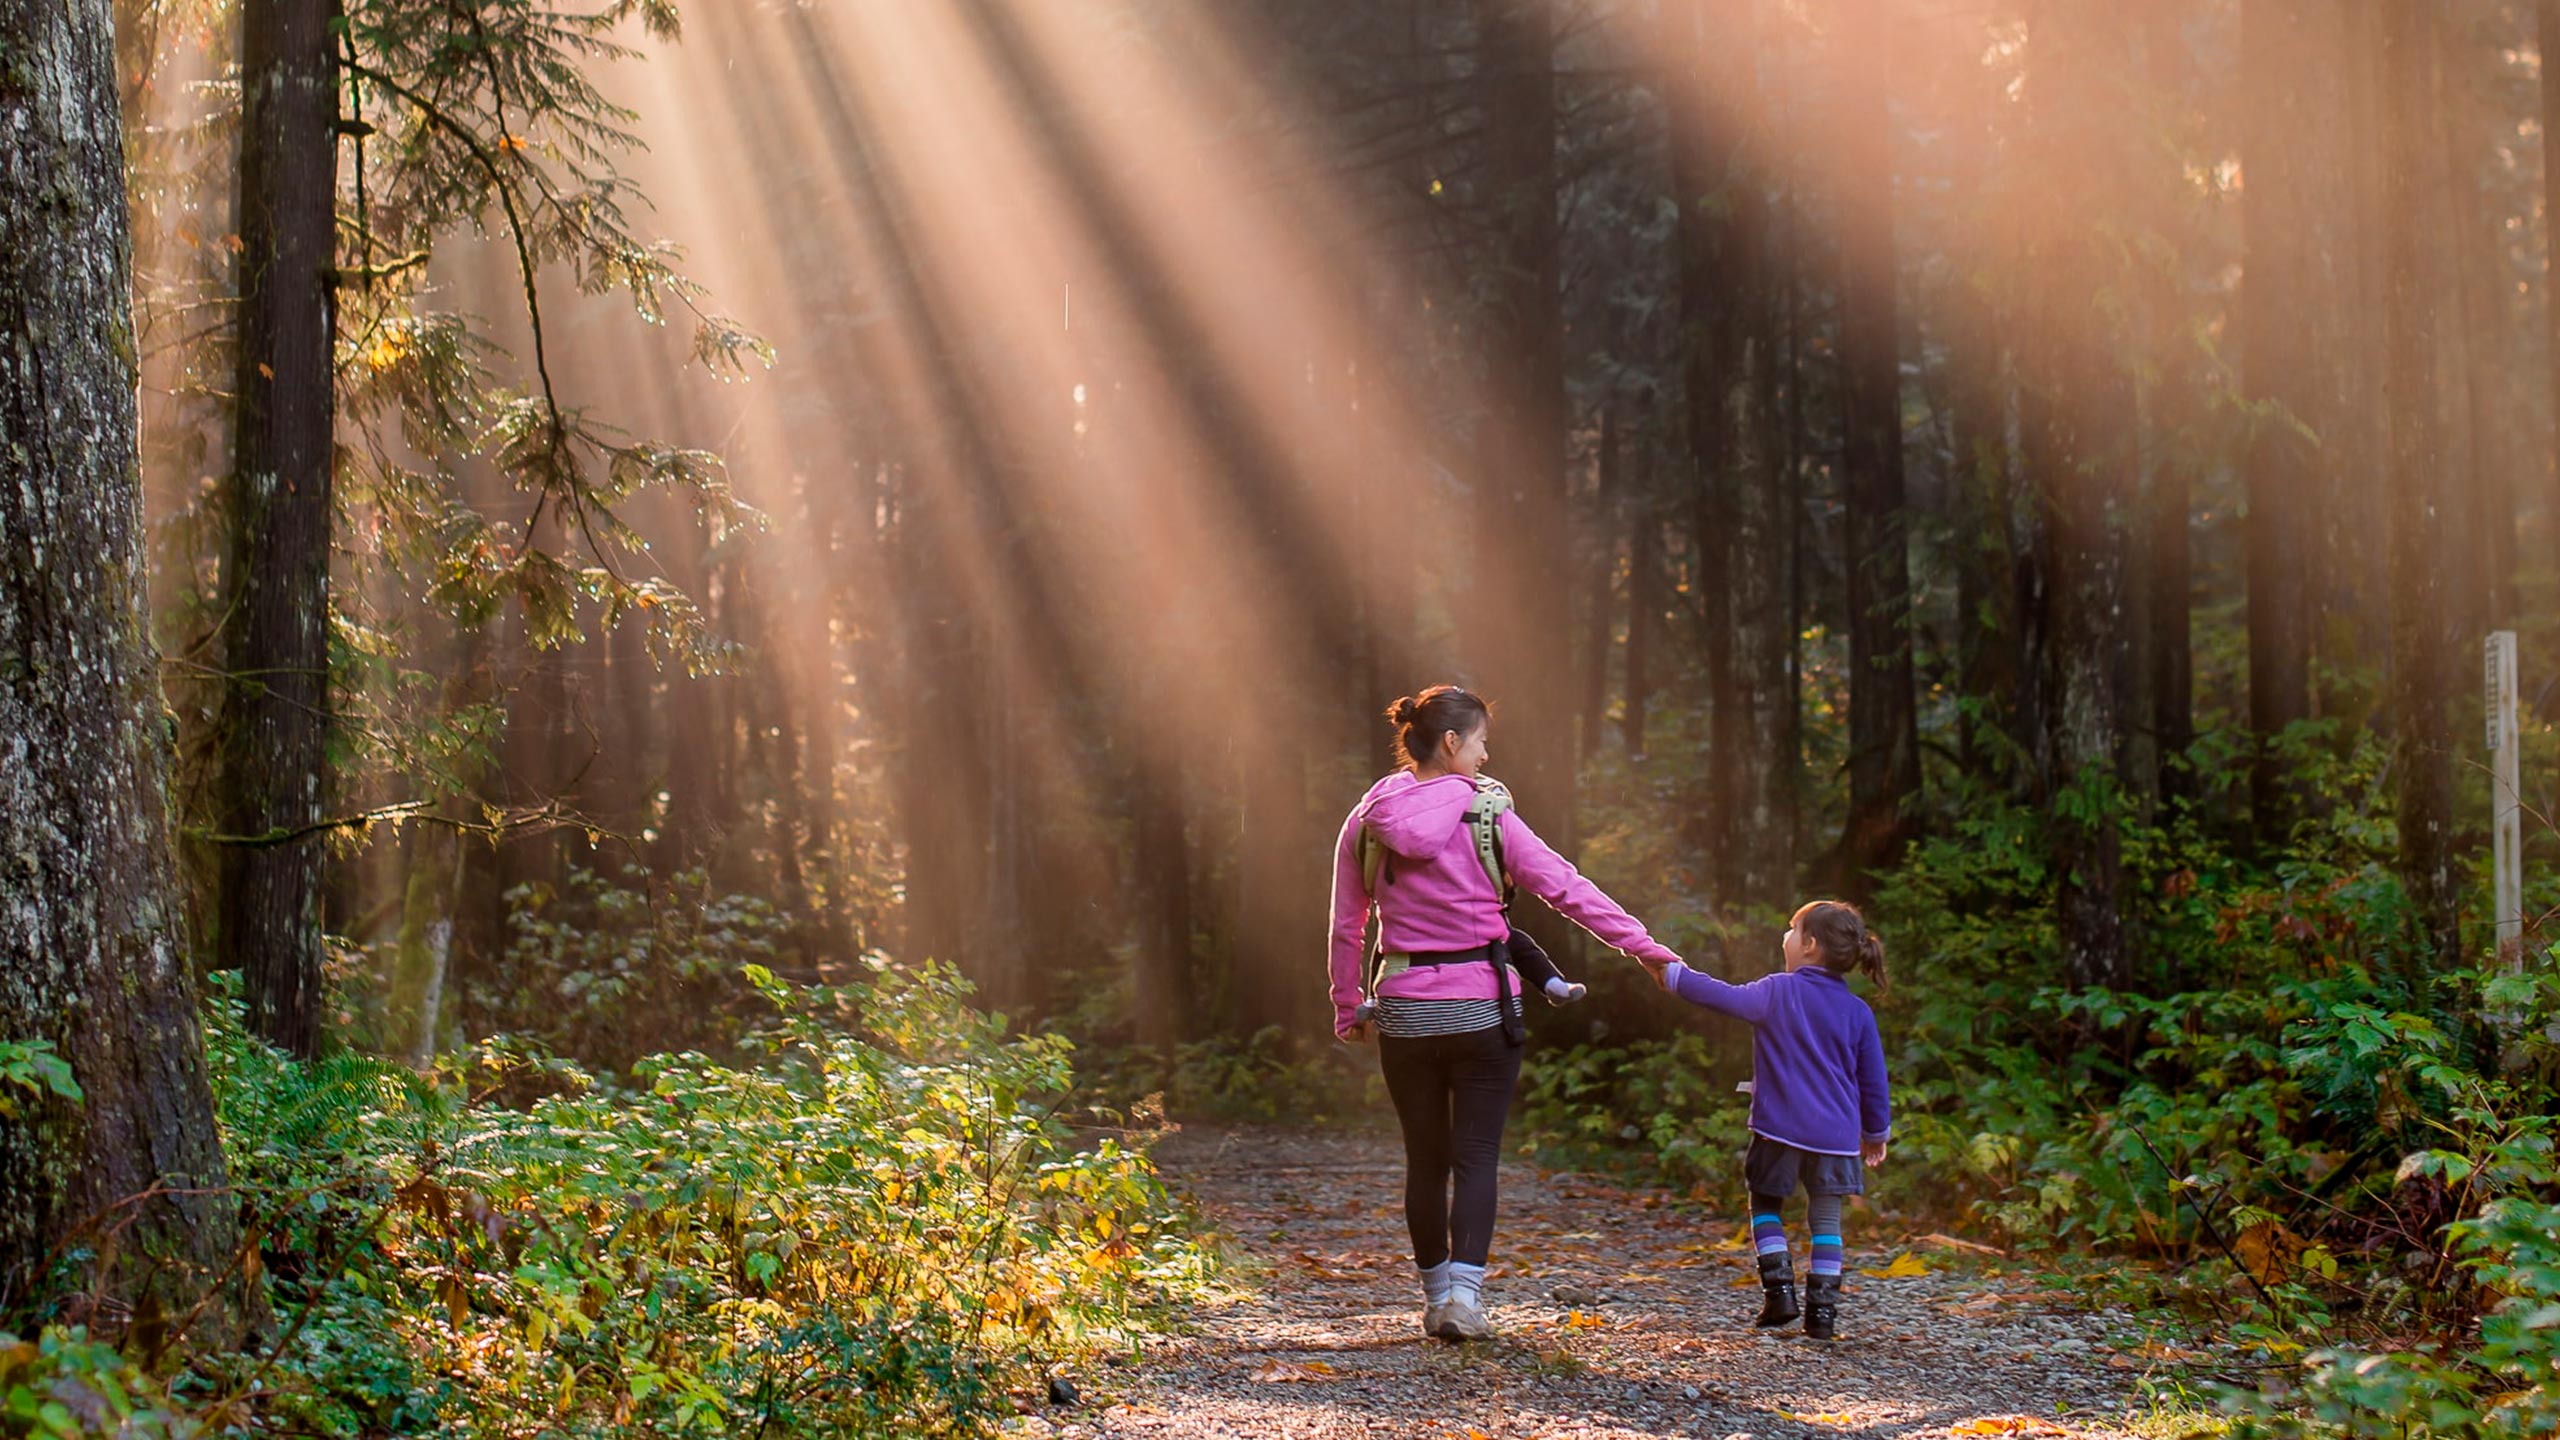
(1356, 1033)
(1660, 970)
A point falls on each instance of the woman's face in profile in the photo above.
(1465, 756)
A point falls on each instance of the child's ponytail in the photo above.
(1841, 938)
(1871, 957)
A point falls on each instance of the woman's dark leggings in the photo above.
(1453, 1093)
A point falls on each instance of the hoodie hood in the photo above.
(1415, 818)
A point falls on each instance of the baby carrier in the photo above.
(1484, 816)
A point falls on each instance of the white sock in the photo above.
(1466, 1284)
(1564, 991)
(1435, 1284)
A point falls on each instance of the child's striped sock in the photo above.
(1768, 1232)
(1822, 1215)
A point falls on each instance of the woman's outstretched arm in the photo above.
(1538, 869)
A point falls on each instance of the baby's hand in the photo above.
(1872, 1151)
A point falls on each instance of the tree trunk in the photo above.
(2083, 462)
(1598, 585)
(2278, 376)
(91, 959)
(1742, 505)
(1884, 732)
(2422, 673)
(1644, 594)
(273, 780)
(1521, 639)
(2174, 424)
(2478, 261)
(2547, 21)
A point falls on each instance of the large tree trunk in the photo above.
(2421, 647)
(272, 785)
(2083, 461)
(90, 939)
(1742, 505)
(1884, 731)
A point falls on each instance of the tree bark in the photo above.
(1742, 504)
(91, 957)
(1599, 587)
(1884, 730)
(1522, 642)
(2278, 377)
(273, 773)
(2421, 647)
(2083, 461)
(1644, 596)
(2547, 32)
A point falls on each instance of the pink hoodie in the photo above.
(1437, 896)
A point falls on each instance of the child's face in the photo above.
(1798, 948)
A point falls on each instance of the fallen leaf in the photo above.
(1949, 1242)
(1584, 1320)
(1825, 1418)
(2006, 1425)
(1904, 1266)
(1290, 1372)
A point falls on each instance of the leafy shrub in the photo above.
(882, 1225)
(610, 969)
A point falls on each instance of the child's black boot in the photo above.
(1821, 1306)
(1778, 1285)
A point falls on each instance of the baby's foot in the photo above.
(1561, 991)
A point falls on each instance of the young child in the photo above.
(1820, 1113)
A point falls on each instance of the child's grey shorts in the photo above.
(1774, 1167)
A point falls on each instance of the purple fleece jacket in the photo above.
(1437, 896)
(1817, 1061)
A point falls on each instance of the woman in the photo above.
(1450, 1060)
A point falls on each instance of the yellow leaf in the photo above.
(1577, 1320)
(1290, 1372)
(2005, 1425)
(1904, 1266)
(1827, 1417)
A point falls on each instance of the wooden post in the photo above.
(2498, 676)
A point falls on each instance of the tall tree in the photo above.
(2281, 384)
(2421, 668)
(272, 785)
(2547, 37)
(2082, 458)
(1884, 729)
(1524, 643)
(130, 1170)
(1741, 507)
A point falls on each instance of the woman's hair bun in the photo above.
(1403, 711)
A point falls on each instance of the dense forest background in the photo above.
(646, 511)
(1817, 425)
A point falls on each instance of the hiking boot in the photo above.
(1821, 1306)
(1778, 1287)
(1461, 1320)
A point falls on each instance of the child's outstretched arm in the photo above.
(1875, 1098)
(1748, 1003)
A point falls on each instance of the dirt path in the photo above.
(1331, 1344)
